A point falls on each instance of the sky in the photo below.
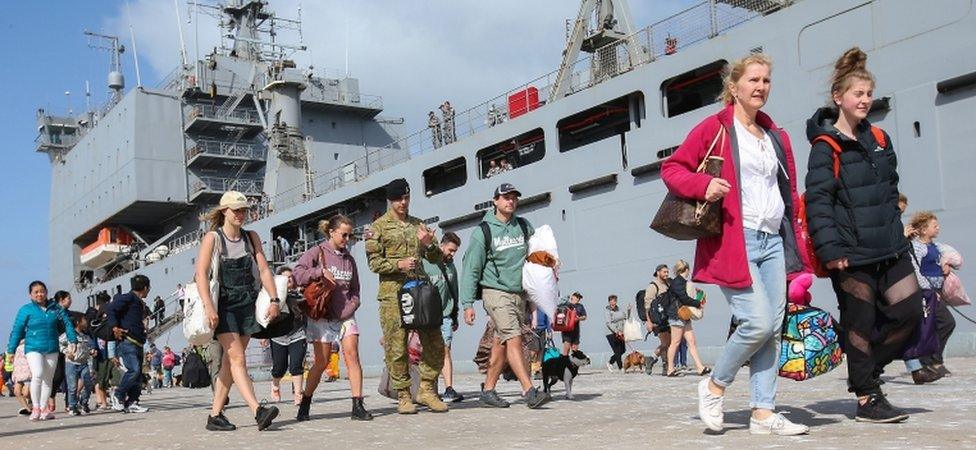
(414, 54)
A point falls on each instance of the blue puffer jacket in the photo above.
(40, 328)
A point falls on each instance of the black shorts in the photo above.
(572, 337)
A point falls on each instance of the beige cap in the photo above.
(233, 200)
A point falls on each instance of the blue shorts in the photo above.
(447, 331)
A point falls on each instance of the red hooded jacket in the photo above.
(721, 260)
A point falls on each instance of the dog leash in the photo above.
(963, 315)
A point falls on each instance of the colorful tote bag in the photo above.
(810, 346)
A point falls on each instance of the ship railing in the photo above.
(238, 114)
(172, 81)
(184, 242)
(222, 184)
(225, 148)
(322, 90)
(666, 37)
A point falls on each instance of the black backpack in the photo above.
(659, 309)
(639, 299)
(195, 373)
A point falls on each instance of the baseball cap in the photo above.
(396, 189)
(233, 200)
(506, 188)
(659, 267)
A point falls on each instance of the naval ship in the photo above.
(583, 143)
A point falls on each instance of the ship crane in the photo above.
(611, 23)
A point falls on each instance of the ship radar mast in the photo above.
(250, 30)
(116, 82)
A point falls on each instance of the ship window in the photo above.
(446, 176)
(693, 89)
(607, 120)
(510, 154)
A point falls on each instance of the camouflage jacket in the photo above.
(389, 240)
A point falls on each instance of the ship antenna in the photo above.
(179, 27)
(132, 38)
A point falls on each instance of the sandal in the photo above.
(275, 393)
(705, 371)
(673, 374)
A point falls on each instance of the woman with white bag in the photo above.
(241, 265)
(615, 323)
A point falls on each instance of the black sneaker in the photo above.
(219, 423)
(451, 396)
(535, 398)
(878, 410)
(490, 399)
(86, 408)
(24, 412)
(303, 408)
(265, 415)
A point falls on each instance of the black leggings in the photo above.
(618, 348)
(880, 306)
(291, 357)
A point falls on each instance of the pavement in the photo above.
(619, 410)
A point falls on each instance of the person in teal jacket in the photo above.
(493, 262)
(37, 323)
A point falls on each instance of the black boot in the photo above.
(303, 408)
(264, 416)
(359, 411)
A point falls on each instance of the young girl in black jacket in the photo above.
(852, 210)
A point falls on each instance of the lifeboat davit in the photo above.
(111, 243)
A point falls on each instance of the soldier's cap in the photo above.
(233, 200)
(396, 189)
(659, 267)
(506, 188)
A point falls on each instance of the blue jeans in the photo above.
(72, 372)
(681, 356)
(130, 386)
(759, 311)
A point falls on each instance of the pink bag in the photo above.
(953, 293)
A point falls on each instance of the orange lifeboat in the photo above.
(111, 242)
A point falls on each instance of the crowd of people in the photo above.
(881, 273)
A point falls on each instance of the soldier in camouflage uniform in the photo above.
(436, 135)
(394, 244)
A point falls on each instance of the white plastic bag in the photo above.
(264, 300)
(196, 329)
(539, 283)
(633, 331)
(543, 240)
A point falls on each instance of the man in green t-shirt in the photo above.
(444, 277)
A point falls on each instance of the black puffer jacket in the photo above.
(854, 215)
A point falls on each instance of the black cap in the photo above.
(396, 189)
(506, 188)
(659, 267)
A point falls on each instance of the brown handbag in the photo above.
(317, 294)
(685, 219)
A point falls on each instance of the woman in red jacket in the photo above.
(758, 245)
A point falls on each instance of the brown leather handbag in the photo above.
(318, 293)
(685, 219)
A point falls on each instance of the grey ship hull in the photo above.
(600, 210)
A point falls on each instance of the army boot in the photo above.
(427, 396)
(405, 402)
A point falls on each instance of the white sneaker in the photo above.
(117, 405)
(609, 367)
(135, 408)
(778, 425)
(710, 406)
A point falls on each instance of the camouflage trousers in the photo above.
(395, 347)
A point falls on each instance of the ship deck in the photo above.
(611, 410)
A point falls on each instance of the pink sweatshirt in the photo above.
(722, 260)
(345, 296)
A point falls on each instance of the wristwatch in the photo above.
(275, 300)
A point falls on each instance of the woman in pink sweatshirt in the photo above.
(749, 261)
(331, 260)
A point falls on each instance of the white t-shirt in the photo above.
(762, 203)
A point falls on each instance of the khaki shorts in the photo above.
(506, 310)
